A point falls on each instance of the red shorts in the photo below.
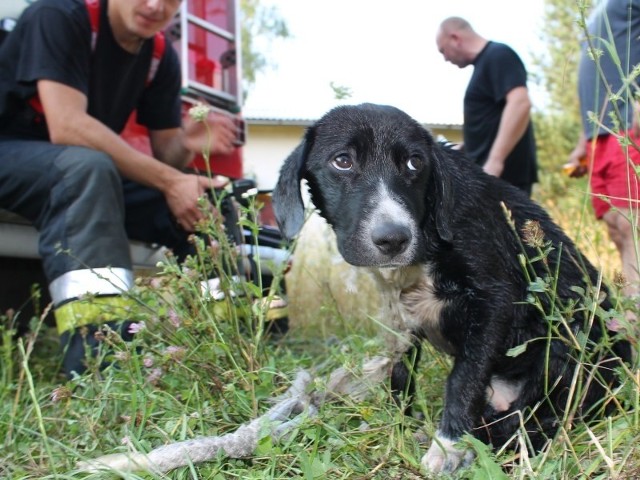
(614, 182)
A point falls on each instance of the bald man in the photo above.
(498, 134)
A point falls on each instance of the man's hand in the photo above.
(494, 167)
(513, 124)
(212, 133)
(576, 165)
(183, 197)
(215, 134)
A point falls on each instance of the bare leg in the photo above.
(622, 233)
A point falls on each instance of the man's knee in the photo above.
(620, 226)
(87, 167)
(620, 221)
(90, 181)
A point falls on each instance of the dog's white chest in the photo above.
(410, 306)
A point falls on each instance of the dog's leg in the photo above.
(403, 376)
(444, 456)
(465, 401)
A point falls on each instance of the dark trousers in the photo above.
(81, 206)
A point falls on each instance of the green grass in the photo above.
(190, 373)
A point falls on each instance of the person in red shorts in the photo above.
(606, 145)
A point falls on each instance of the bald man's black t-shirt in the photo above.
(497, 70)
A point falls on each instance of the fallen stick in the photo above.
(277, 422)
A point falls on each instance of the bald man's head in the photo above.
(458, 42)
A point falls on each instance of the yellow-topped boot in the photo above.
(79, 320)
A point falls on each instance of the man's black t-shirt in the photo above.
(52, 41)
(497, 71)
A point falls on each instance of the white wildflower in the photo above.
(199, 112)
(252, 192)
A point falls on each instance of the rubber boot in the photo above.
(79, 321)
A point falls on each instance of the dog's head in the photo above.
(375, 175)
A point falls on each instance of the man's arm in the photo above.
(513, 124)
(176, 146)
(575, 165)
(65, 109)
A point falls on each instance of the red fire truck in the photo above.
(205, 33)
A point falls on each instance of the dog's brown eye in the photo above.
(414, 163)
(342, 162)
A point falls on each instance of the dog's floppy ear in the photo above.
(288, 206)
(445, 202)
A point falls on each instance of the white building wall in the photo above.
(266, 148)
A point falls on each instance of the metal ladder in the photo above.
(224, 90)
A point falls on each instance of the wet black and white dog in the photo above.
(434, 230)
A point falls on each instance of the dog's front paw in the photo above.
(443, 456)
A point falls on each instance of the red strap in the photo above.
(159, 45)
(93, 7)
(36, 104)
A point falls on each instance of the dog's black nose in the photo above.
(391, 238)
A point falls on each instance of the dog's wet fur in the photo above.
(435, 231)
